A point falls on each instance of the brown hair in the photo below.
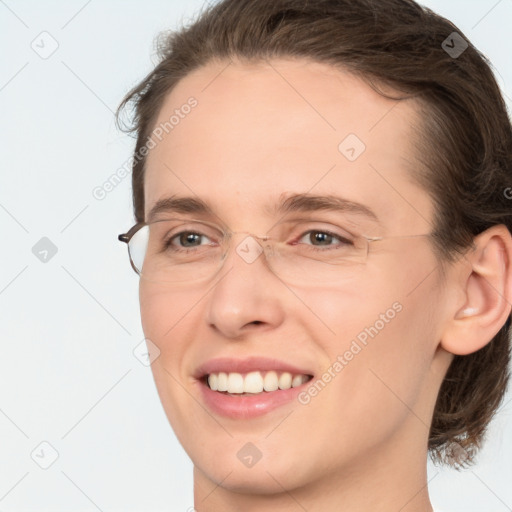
(466, 152)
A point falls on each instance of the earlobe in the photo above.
(487, 291)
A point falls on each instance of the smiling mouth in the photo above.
(253, 383)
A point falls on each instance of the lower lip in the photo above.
(246, 407)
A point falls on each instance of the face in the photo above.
(258, 135)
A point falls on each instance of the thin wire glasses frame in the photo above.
(300, 261)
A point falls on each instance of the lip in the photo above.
(246, 407)
(227, 364)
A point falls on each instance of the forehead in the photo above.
(258, 131)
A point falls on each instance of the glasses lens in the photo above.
(176, 250)
(321, 259)
(137, 247)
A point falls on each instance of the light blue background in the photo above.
(69, 326)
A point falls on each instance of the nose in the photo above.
(247, 295)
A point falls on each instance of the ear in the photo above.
(486, 293)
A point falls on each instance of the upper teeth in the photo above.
(254, 382)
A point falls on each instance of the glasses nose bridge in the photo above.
(246, 245)
(230, 234)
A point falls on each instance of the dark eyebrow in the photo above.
(179, 205)
(293, 203)
(311, 203)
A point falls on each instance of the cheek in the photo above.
(154, 310)
(164, 313)
(169, 323)
(379, 337)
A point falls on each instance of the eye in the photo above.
(323, 238)
(186, 240)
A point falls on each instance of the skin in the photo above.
(259, 131)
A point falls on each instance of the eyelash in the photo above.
(343, 240)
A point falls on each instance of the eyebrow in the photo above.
(294, 203)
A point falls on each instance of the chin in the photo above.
(255, 480)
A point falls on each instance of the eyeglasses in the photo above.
(181, 250)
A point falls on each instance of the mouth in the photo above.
(251, 387)
(254, 383)
(253, 394)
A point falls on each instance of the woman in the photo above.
(323, 234)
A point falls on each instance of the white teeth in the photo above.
(297, 380)
(222, 381)
(213, 381)
(254, 382)
(235, 383)
(285, 381)
(271, 382)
